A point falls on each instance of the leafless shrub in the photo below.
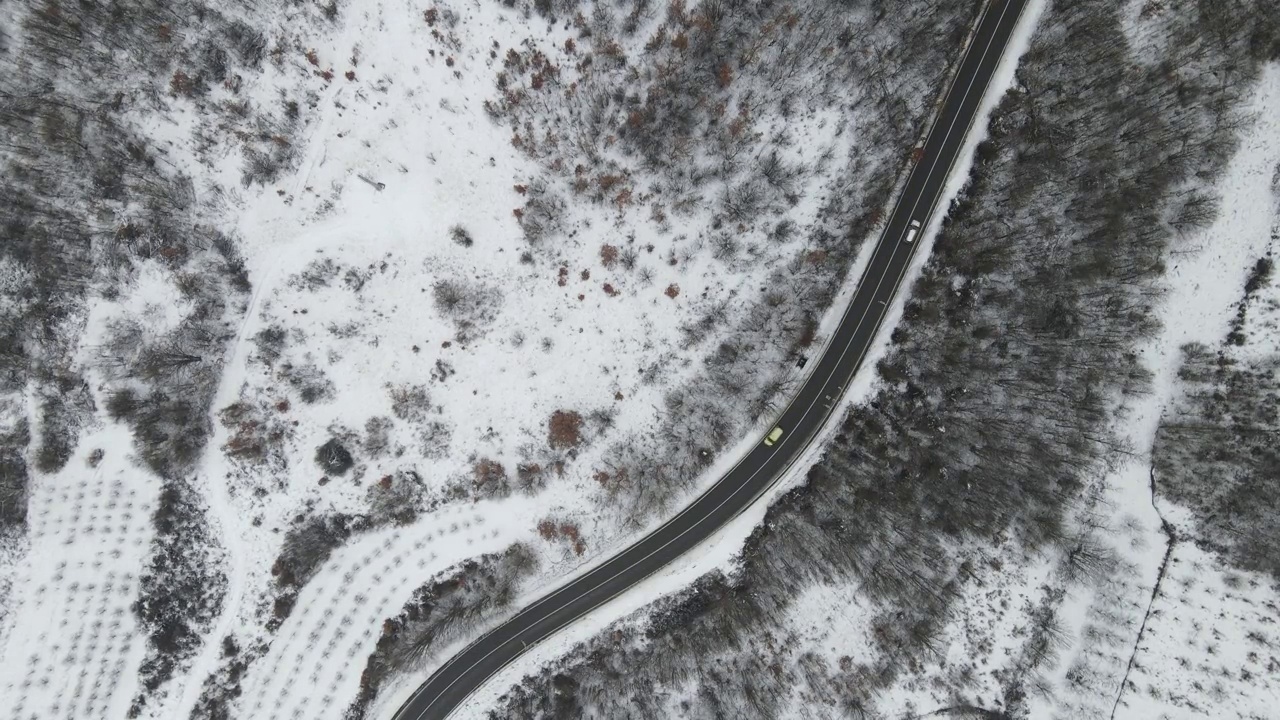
(470, 306)
(409, 402)
(461, 236)
(309, 381)
(270, 342)
(434, 438)
(396, 498)
(377, 440)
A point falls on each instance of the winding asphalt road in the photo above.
(801, 420)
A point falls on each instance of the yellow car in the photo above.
(773, 436)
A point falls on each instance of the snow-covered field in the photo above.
(1204, 284)
(1210, 647)
(74, 647)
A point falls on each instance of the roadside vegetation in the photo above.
(1016, 346)
(440, 613)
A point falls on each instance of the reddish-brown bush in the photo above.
(724, 75)
(809, 333)
(488, 472)
(608, 255)
(564, 429)
(672, 291)
(612, 482)
(549, 530)
(675, 13)
(182, 84)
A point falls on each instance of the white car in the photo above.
(912, 229)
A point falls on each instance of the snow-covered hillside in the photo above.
(457, 339)
(333, 332)
(399, 310)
